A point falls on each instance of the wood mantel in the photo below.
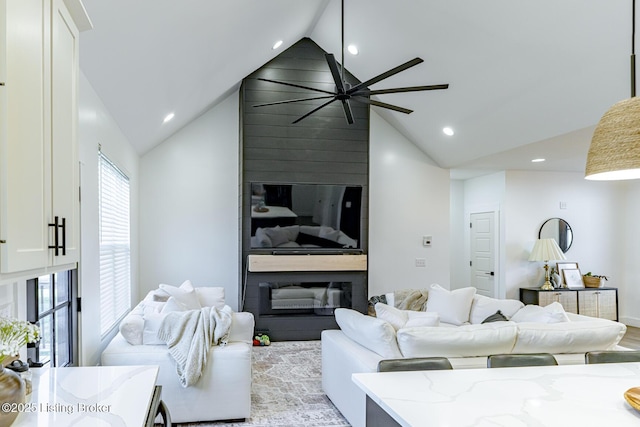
(285, 263)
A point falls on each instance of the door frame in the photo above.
(498, 229)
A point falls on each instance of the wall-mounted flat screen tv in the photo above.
(287, 217)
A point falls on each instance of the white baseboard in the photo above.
(630, 321)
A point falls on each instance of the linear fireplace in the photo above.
(311, 298)
(293, 297)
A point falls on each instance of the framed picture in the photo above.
(563, 266)
(573, 278)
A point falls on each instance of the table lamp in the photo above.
(546, 250)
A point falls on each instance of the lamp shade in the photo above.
(546, 250)
(614, 153)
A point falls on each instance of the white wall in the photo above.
(189, 197)
(408, 198)
(96, 126)
(629, 252)
(592, 210)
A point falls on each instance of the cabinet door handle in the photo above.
(64, 236)
(55, 226)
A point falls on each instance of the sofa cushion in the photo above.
(396, 317)
(462, 341)
(483, 307)
(405, 318)
(211, 296)
(552, 313)
(452, 306)
(370, 332)
(421, 318)
(185, 294)
(568, 337)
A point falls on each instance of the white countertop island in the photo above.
(89, 396)
(562, 396)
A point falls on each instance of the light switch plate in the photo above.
(426, 240)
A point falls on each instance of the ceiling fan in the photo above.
(360, 93)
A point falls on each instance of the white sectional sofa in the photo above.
(363, 340)
(223, 392)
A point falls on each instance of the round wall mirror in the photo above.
(559, 229)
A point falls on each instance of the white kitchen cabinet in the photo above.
(39, 171)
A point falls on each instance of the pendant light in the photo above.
(614, 153)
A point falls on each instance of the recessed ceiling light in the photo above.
(537, 160)
(447, 131)
(353, 49)
(168, 117)
(277, 44)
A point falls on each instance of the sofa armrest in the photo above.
(241, 330)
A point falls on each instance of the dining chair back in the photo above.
(414, 364)
(513, 360)
(612, 356)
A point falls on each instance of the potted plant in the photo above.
(593, 280)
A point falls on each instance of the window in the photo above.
(51, 304)
(115, 250)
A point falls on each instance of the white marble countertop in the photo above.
(564, 396)
(116, 396)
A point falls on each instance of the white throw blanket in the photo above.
(189, 336)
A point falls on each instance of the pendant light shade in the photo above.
(614, 153)
(615, 147)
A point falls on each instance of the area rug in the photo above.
(287, 389)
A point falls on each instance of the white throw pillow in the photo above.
(484, 307)
(153, 319)
(395, 316)
(370, 332)
(132, 326)
(552, 313)
(211, 296)
(405, 318)
(452, 306)
(186, 294)
(152, 322)
(421, 318)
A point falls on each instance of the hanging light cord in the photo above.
(342, 35)
(633, 50)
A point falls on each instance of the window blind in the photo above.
(115, 248)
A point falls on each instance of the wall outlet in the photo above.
(421, 262)
(426, 240)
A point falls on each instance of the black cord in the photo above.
(633, 49)
(342, 35)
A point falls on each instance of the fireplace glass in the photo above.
(317, 298)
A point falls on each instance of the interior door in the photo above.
(482, 253)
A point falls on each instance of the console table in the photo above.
(551, 396)
(96, 395)
(594, 302)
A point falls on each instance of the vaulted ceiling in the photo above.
(527, 79)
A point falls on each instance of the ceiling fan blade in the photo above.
(348, 114)
(365, 100)
(298, 86)
(385, 75)
(335, 72)
(289, 101)
(314, 110)
(407, 89)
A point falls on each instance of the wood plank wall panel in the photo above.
(322, 148)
